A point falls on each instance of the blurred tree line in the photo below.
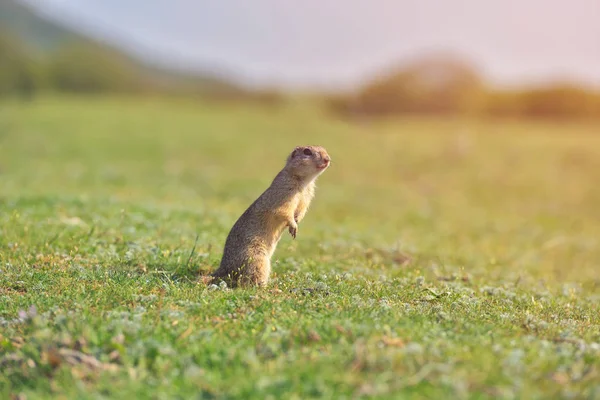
(432, 86)
(445, 86)
(77, 67)
(85, 67)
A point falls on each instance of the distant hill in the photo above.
(40, 35)
(36, 32)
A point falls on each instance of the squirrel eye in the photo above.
(307, 152)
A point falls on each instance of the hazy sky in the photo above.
(338, 42)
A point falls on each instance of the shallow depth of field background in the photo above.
(452, 250)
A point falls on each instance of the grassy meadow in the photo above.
(440, 258)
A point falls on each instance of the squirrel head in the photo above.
(308, 161)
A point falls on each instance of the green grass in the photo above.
(446, 258)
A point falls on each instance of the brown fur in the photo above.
(252, 240)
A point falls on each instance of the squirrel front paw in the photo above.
(293, 230)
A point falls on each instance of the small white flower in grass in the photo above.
(488, 290)
(569, 394)
(129, 254)
(385, 304)
(413, 348)
(442, 316)
(127, 326)
(148, 298)
(514, 358)
(60, 319)
(193, 372)
(29, 314)
(223, 285)
(167, 350)
(543, 325)
(139, 310)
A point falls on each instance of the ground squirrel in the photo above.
(252, 240)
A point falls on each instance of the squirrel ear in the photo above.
(294, 152)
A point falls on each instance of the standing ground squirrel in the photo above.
(252, 240)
